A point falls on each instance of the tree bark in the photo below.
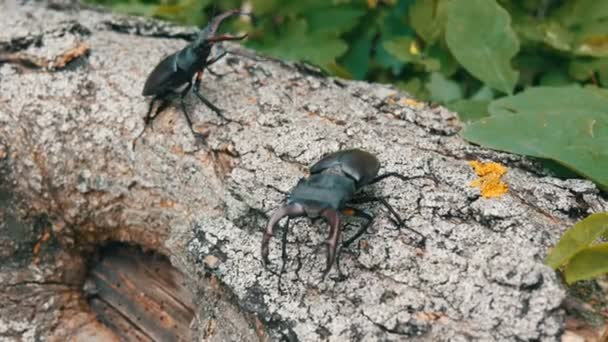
(72, 180)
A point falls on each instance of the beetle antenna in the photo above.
(289, 210)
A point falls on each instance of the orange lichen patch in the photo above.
(78, 51)
(489, 181)
(177, 149)
(167, 203)
(56, 63)
(429, 316)
(391, 99)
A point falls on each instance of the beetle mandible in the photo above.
(331, 189)
(180, 68)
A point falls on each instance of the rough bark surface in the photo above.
(70, 181)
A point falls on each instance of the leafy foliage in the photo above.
(571, 128)
(479, 34)
(577, 251)
(465, 54)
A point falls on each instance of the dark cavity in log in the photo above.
(139, 295)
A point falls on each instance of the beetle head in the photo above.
(207, 35)
(296, 209)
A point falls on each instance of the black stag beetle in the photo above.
(329, 190)
(179, 69)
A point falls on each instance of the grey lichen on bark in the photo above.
(67, 134)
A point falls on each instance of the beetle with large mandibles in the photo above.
(180, 68)
(331, 189)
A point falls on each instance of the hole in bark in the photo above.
(139, 295)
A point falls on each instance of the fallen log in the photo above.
(73, 186)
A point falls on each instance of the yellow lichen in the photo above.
(489, 181)
(412, 103)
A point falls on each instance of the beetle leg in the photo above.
(334, 234)
(360, 214)
(183, 104)
(215, 73)
(397, 175)
(148, 117)
(208, 103)
(383, 201)
(289, 210)
(350, 211)
(368, 199)
(247, 55)
(164, 103)
(222, 54)
(209, 63)
(390, 174)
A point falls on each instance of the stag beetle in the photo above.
(179, 69)
(330, 189)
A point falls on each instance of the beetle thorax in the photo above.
(322, 191)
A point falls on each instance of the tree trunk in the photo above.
(72, 181)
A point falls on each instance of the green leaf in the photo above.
(479, 35)
(557, 170)
(136, 9)
(531, 64)
(442, 89)
(577, 238)
(448, 64)
(357, 59)
(592, 40)
(555, 77)
(414, 87)
(333, 21)
(583, 69)
(484, 93)
(566, 124)
(186, 12)
(296, 43)
(288, 8)
(407, 50)
(570, 101)
(400, 48)
(548, 31)
(589, 263)
(264, 6)
(391, 24)
(579, 12)
(427, 18)
(469, 110)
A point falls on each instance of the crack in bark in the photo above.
(21, 43)
(149, 28)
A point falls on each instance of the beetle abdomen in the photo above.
(165, 76)
(360, 165)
